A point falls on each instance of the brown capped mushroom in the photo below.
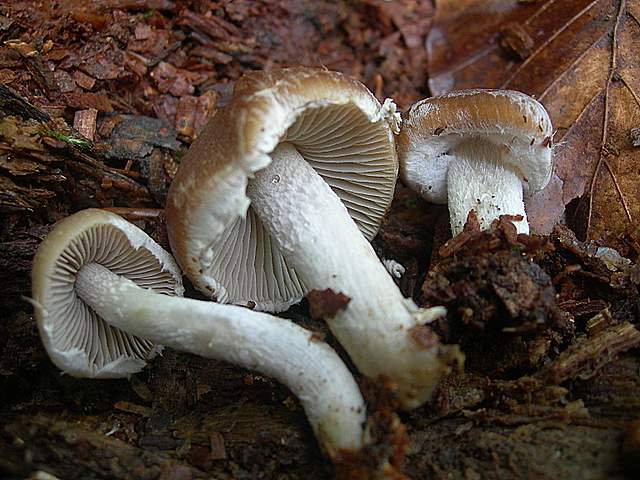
(333, 122)
(281, 185)
(477, 150)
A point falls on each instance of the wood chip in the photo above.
(86, 100)
(599, 322)
(186, 116)
(84, 80)
(84, 121)
(134, 408)
(63, 81)
(324, 304)
(218, 450)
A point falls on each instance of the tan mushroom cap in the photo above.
(333, 121)
(512, 120)
(78, 341)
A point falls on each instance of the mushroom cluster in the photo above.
(279, 196)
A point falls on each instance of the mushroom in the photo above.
(104, 292)
(277, 197)
(477, 150)
(78, 341)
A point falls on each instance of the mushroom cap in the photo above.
(511, 121)
(334, 122)
(77, 340)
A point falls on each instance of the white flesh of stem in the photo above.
(324, 245)
(478, 180)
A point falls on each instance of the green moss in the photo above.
(76, 142)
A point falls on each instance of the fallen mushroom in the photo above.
(477, 150)
(103, 291)
(292, 143)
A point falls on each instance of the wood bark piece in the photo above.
(84, 453)
(584, 359)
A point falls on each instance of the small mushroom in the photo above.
(477, 150)
(104, 292)
(278, 190)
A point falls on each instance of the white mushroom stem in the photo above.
(257, 341)
(324, 245)
(479, 179)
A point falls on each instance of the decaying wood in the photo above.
(585, 358)
(551, 387)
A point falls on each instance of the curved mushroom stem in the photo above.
(381, 330)
(257, 341)
(478, 179)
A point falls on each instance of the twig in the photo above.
(13, 104)
(127, 173)
(136, 213)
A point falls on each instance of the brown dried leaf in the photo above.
(579, 58)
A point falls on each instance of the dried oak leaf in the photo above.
(580, 61)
